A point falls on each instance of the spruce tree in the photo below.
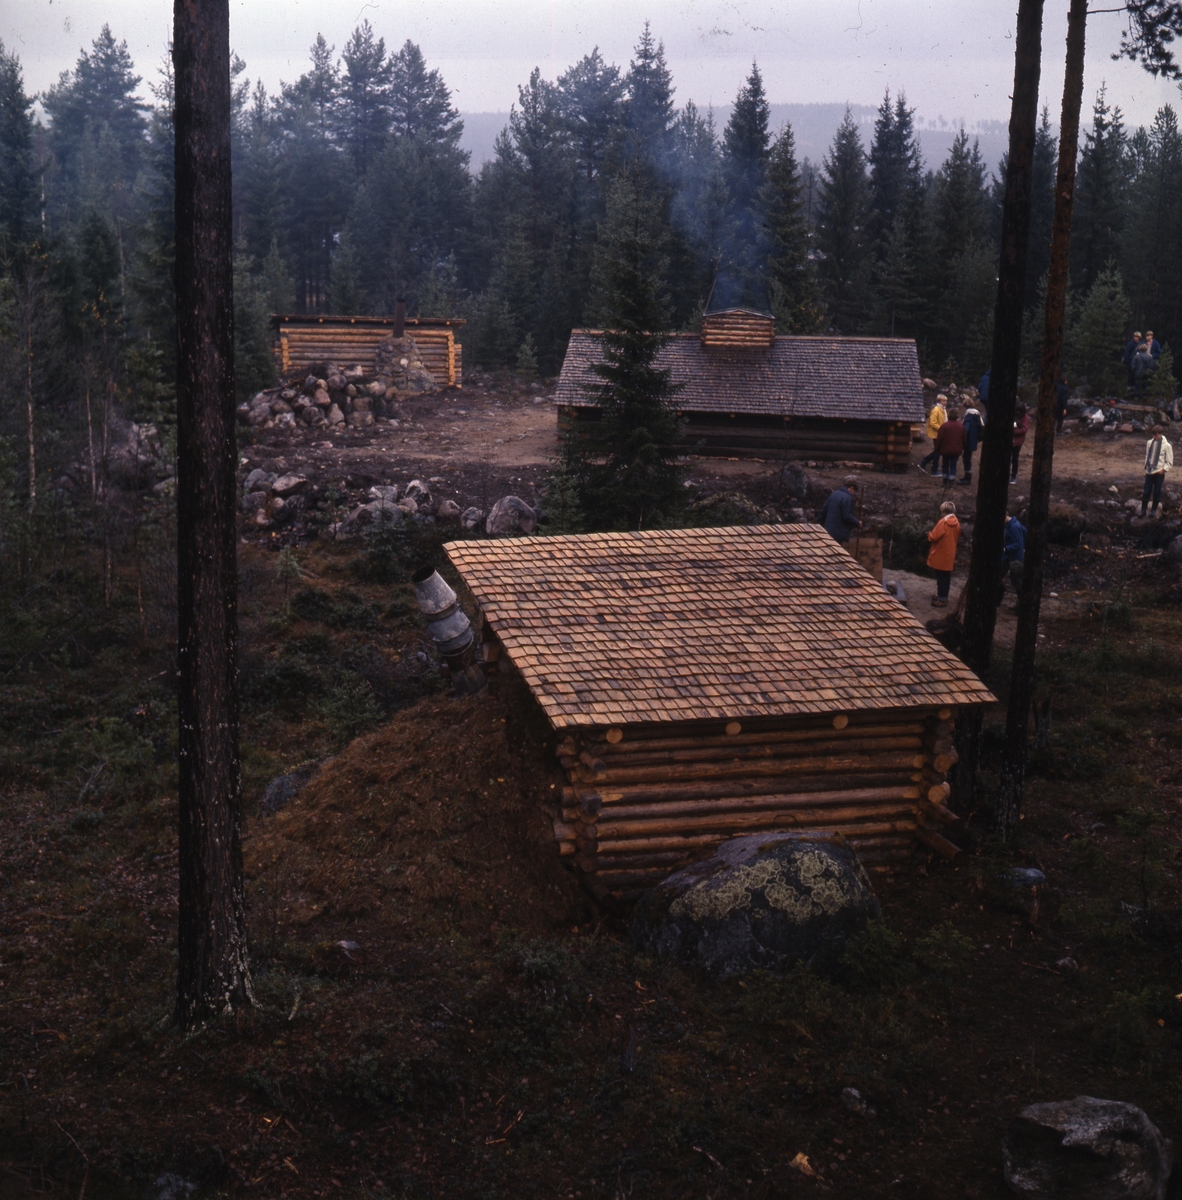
(843, 205)
(631, 477)
(791, 288)
(1042, 206)
(649, 85)
(18, 193)
(1098, 336)
(364, 96)
(895, 170)
(1100, 191)
(745, 152)
(420, 102)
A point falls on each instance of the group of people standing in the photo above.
(955, 437)
(1140, 359)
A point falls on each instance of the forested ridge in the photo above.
(351, 190)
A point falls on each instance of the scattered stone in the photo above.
(321, 398)
(1087, 1149)
(258, 481)
(853, 1100)
(172, 1187)
(335, 416)
(282, 790)
(286, 419)
(471, 517)
(418, 491)
(795, 481)
(510, 514)
(930, 384)
(369, 514)
(389, 493)
(253, 501)
(289, 485)
(448, 510)
(765, 901)
(1067, 964)
(409, 505)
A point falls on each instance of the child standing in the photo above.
(942, 556)
(1021, 427)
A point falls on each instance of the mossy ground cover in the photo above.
(488, 1032)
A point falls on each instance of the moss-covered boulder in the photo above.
(762, 902)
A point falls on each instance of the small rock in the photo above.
(284, 420)
(511, 513)
(261, 519)
(471, 517)
(362, 404)
(289, 485)
(853, 1099)
(389, 493)
(1086, 1149)
(418, 491)
(1067, 964)
(258, 481)
(448, 510)
(409, 505)
(335, 416)
(284, 788)
(337, 383)
(376, 390)
(765, 901)
(321, 398)
(172, 1187)
(253, 501)
(930, 384)
(369, 514)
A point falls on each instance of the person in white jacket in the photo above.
(1159, 458)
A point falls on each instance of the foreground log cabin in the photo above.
(705, 683)
(297, 342)
(750, 394)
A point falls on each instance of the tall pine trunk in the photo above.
(213, 975)
(994, 471)
(1013, 772)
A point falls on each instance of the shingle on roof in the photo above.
(695, 624)
(873, 379)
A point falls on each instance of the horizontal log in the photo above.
(939, 843)
(764, 818)
(574, 797)
(663, 839)
(945, 762)
(564, 832)
(672, 859)
(610, 814)
(722, 752)
(942, 814)
(770, 737)
(565, 848)
(939, 792)
(780, 766)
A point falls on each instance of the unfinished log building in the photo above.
(706, 683)
(298, 342)
(750, 394)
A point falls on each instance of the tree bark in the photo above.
(213, 976)
(1008, 805)
(994, 472)
(29, 412)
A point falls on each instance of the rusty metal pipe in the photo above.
(451, 630)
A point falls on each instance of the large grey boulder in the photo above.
(510, 514)
(1086, 1149)
(764, 901)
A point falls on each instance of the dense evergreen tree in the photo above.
(785, 243)
(745, 151)
(364, 105)
(649, 85)
(631, 478)
(420, 102)
(18, 194)
(896, 171)
(1100, 193)
(843, 211)
(1098, 336)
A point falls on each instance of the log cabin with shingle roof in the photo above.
(749, 394)
(708, 683)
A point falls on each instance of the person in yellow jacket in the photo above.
(936, 417)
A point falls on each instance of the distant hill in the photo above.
(813, 124)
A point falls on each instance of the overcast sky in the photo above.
(954, 59)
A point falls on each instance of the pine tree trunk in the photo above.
(213, 975)
(29, 413)
(994, 471)
(1013, 772)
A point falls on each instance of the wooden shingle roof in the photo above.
(869, 379)
(698, 624)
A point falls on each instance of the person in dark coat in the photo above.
(837, 513)
(1127, 357)
(973, 424)
(950, 443)
(1012, 553)
(1062, 395)
(1153, 345)
(983, 388)
(1144, 364)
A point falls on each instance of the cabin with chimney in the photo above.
(748, 393)
(298, 343)
(702, 684)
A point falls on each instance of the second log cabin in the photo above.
(706, 683)
(748, 393)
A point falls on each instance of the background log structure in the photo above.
(299, 341)
(707, 683)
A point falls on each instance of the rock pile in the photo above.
(336, 397)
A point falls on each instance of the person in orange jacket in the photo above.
(942, 556)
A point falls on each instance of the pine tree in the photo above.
(791, 287)
(364, 103)
(96, 103)
(18, 194)
(1098, 219)
(631, 478)
(420, 102)
(895, 170)
(745, 150)
(842, 238)
(697, 213)
(650, 99)
(1098, 335)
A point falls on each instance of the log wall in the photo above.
(738, 328)
(639, 803)
(348, 341)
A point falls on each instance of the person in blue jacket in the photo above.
(983, 387)
(1013, 551)
(837, 513)
(973, 424)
